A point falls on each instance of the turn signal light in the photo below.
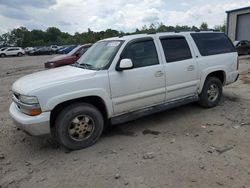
(32, 112)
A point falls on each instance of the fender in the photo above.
(209, 70)
(54, 101)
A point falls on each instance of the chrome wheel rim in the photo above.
(213, 92)
(81, 127)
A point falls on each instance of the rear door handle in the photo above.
(190, 68)
(159, 74)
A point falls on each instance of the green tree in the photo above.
(52, 35)
(204, 26)
(221, 28)
(23, 37)
(162, 28)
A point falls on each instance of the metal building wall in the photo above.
(232, 22)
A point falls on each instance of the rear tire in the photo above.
(211, 93)
(78, 126)
(2, 55)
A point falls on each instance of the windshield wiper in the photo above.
(85, 66)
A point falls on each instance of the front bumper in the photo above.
(33, 125)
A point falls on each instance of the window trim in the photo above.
(175, 37)
(133, 41)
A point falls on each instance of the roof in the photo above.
(136, 36)
(239, 9)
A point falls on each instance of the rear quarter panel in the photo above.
(223, 62)
(226, 62)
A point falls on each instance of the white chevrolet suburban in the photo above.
(121, 79)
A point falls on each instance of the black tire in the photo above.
(208, 97)
(19, 54)
(2, 55)
(65, 121)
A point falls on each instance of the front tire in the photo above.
(211, 93)
(19, 54)
(2, 55)
(79, 126)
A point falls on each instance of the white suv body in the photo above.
(12, 51)
(145, 74)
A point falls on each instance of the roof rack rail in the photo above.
(177, 31)
(212, 30)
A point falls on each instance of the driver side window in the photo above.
(142, 53)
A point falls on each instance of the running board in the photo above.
(152, 110)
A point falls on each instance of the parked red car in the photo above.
(68, 58)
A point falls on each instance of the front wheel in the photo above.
(211, 92)
(79, 126)
(19, 54)
(2, 55)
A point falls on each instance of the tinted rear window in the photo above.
(176, 49)
(213, 43)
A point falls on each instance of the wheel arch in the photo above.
(218, 73)
(96, 101)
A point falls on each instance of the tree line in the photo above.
(53, 36)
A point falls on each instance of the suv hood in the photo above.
(48, 78)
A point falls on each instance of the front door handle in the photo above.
(190, 68)
(159, 74)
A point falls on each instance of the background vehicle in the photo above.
(4, 48)
(66, 50)
(28, 49)
(41, 51)
(69, 58)
(121, 79)
(54, 48)
(243, 47)
(12, 51)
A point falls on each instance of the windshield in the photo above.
(100, 55)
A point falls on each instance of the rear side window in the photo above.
(176, 49)
(213, 43)
(142, 53)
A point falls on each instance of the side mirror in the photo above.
(125, 64)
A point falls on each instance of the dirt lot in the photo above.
(184, 147)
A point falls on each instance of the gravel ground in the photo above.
(184, 147)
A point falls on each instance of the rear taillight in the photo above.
(238, 63)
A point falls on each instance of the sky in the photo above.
(123, 15)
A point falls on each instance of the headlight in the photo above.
(27, 104)
(28, 99)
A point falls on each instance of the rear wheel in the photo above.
(211, 92)
(2, 55)
(79, 126)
